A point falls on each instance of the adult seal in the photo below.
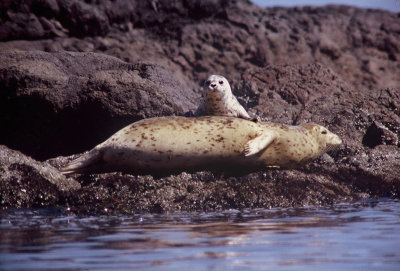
(171, 144)
(219, 100)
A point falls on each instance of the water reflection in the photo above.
(363, 235)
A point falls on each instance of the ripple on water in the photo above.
(363, 235)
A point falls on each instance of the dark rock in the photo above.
(336, 66)
(281, 93)
(194, 38)
(37, 19)
(25, 182)
(64, 103)
(373, 171)
(123, 193)
(350, 113)
(378, 134)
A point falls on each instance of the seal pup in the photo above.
(171, 144)
(219, 100)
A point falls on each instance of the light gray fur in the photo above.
(219, 100)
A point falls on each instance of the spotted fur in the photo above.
(178, 143)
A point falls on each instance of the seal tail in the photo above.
(84, 163)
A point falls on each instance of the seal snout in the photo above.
(333, 141)
(213, 85)
(336, 140)
(216, 83)
(324, 136)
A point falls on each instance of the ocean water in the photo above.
(359, 236)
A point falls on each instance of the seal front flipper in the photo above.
(259, 143)
(239, 111)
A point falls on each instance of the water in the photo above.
(362, 236)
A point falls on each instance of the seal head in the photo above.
(285, 146)
(219, 100)
(326, 140)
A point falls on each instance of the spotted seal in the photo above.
(167, 144)
(219, 100)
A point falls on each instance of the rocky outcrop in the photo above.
(28, 183)
(336, 66)
(282, 92)
(192, 38)
(62, 103)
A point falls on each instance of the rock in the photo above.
(51, 18)
(350, 113)
(282, 92)
(25, 182)
(122, 193)
(195, 38)
(378, 134)
(370, 171)
(62, 103)
(373, 172)
(335, 65)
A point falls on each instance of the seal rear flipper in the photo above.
(258, 143)
(83, 163)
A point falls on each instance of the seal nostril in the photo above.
(213, 85)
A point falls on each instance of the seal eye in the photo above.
(324, 132)
(221, 82)
(208, 82)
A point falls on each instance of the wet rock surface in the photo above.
(72, 73)
(26, 182)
